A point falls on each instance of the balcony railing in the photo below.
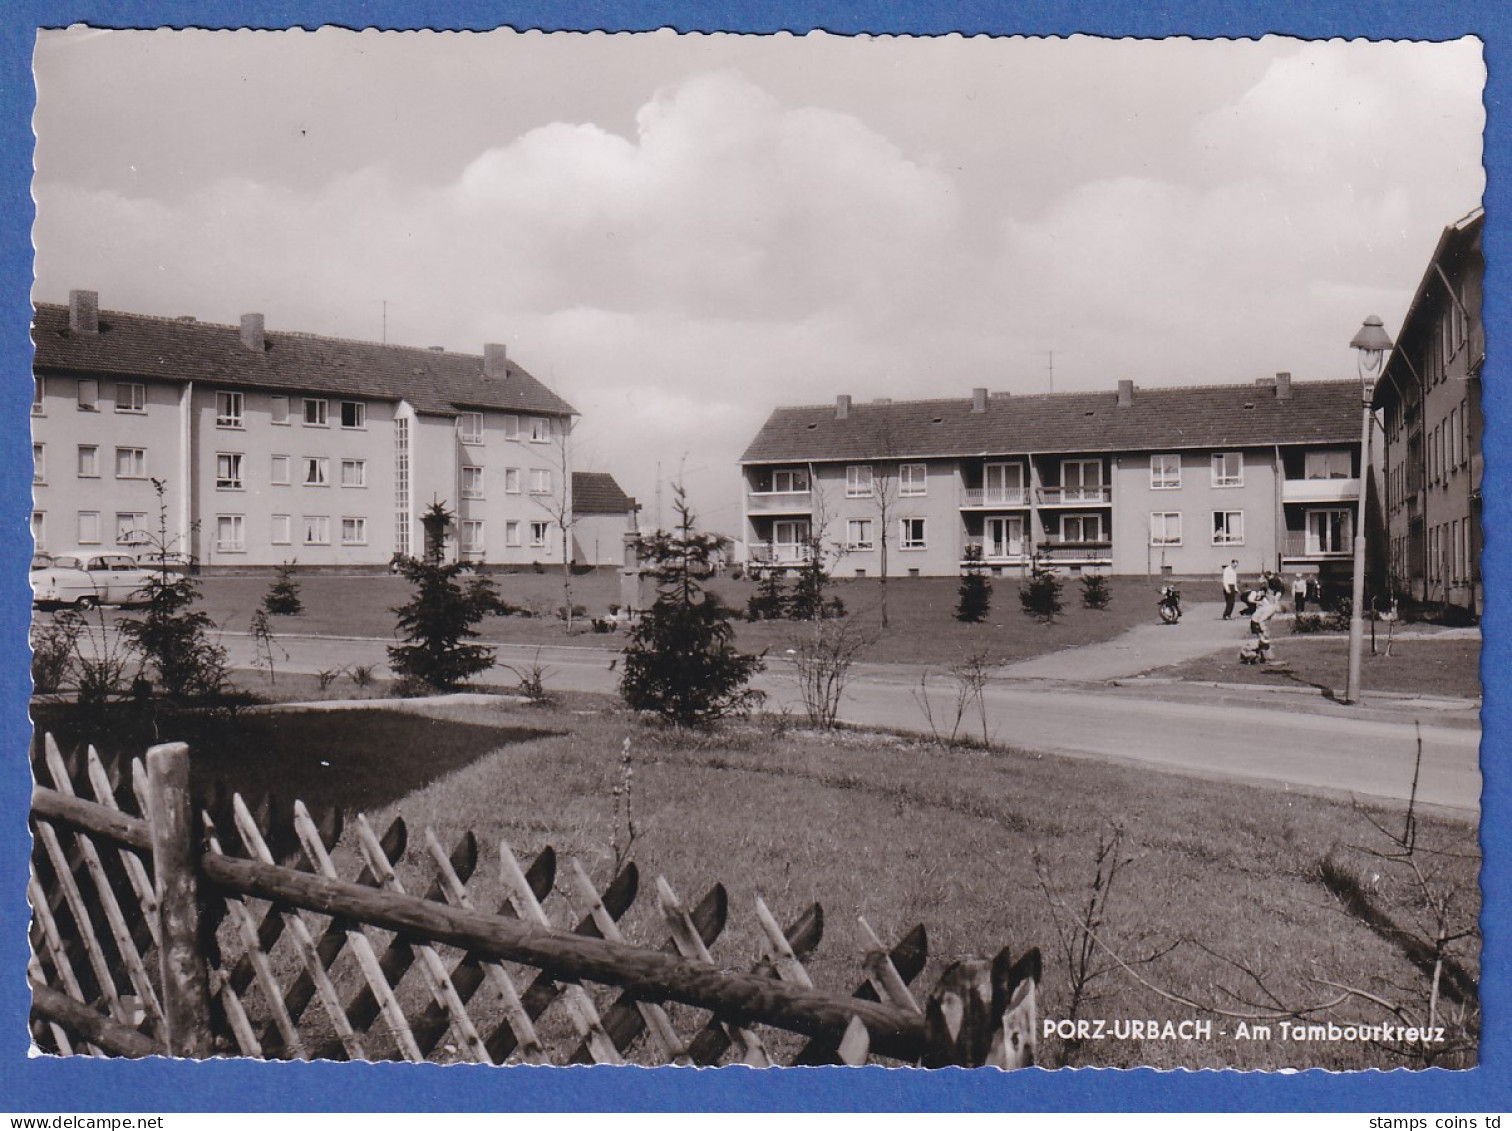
(1072, 496)
(1304, 545)
(779, 553)
(1320, 490)
(1011, 553)
(773, 502)
(994, 497)
(1075, 553)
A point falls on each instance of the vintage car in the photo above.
(85, 578)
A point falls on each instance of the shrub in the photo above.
(282, 598)
(53, 646)
(974, 597)
(822, 661)
(1041, 594)
(808, 601)
(768, 602)
(681, 662)
(1095, 591)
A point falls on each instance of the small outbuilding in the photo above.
(601, 514)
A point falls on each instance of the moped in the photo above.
(1169, 603)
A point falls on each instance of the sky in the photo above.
(679, 233)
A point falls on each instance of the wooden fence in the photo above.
(158, 929)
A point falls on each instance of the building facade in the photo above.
(274, 447)
(602, 514)
(1429, 397)
(1137, 481)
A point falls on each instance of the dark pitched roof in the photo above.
(1164, 419)
(596, 492)
(169, 349)
(1455, 244)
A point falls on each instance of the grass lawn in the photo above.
(922, 625)
(1224, 882)
(1418, 663)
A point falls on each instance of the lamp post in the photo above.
(1370, 346)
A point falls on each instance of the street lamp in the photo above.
(1370, 346)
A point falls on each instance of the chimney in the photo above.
(1283, 386)
(842, 406)
(494, 361)
(1125, 394)
(252, 335)
(84, 312)
(978, 400)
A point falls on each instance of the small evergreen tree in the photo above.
(172, 636)
(1041, 594)
(1095, 591)
(438, 620)
(808, 600)
(282, 597)
(768, 602)
(681, 662)
(974, 597)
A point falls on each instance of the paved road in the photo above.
(1279, 738)
(1200, 632)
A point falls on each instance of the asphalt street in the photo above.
(1291, 740)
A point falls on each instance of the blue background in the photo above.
(81, 1085)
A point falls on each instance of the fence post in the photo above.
(175, 857)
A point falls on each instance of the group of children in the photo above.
(1262, 603)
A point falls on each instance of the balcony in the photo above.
(1306, 546)
(779, 502)
(1013, 552)
(778, 554)
(987, 498)
(1320, 490)
(1075, 496)
(1075, 553)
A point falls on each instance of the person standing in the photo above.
(1299, 594)
(1230, 588)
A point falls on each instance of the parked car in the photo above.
(87, 578)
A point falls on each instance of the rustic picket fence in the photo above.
(158, 930)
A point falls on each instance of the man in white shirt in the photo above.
(1230, 588)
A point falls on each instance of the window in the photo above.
(280, 475)
(858, 534)
(913, 479)
(317, 471)
(1081, 480)
(89, 395)
(1465, 431)
(911, 534)
(1331, 464)
(39, 529)
(317, 530)
(540, 481)
(472, 536)
(39, 396)
(278, 412)
(1165, 474)
(130, 398)
(1165, 528)
(1003, 484)
(789, 479)
(512, 533)
(1228, 528)
(354, 532)
(89, 461)
(279, 530)
(89, 528)
(511, 427)
(230, 534)
(858, 481)
(228, 410)
(315, 412)
(131, 528)
(1330, 531)
(354, 473)
(511, 480)
(538, 533)
(472, 482)
(540, 430)
(470, 427)
(353, 414)
(39, 463)
(1082, 528)
(131, 463)
(1228, 469)
(228, 471)
(1454, 438)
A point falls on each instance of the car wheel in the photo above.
(85, 603)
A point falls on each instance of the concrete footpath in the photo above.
(1200, 632)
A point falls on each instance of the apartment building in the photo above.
(278, 446)
(1429, 397)
(1132, 481)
